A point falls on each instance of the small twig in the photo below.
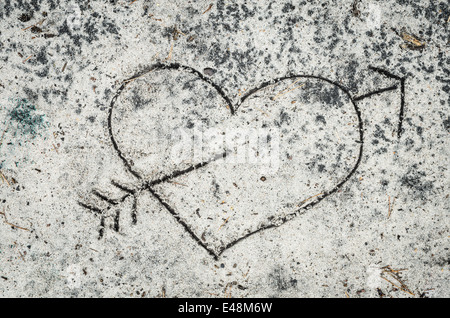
(310, 198)
(176, 32)
(209, 8)
(292, 84)
(391, 282)
(39, 23)
(337, 135)
(224, 223)
(228, 295)
(289, 91)
(152, 17)
(21, 256)
(396, 270)
(24, 61)
(394, 274)
(169, 57)
(409, 38)
(389, 207)
(4, 178)
(286, 90)
(10, 224)
(181, 184)
(263, 112)
(29, 27)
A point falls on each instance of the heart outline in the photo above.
(233, 109)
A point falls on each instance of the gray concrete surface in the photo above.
(332, 116)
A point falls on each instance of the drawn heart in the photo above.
(289, 143)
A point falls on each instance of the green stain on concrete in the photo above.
(25, 118)
(22, 124)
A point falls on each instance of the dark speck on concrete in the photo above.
(447, 124)
(25, 17)
(321, 119)
(280, 280)
(209, 71)
(415, 180)
(288, 8)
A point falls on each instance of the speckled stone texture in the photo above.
(224, 149)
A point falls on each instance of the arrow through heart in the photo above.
(225, 170)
